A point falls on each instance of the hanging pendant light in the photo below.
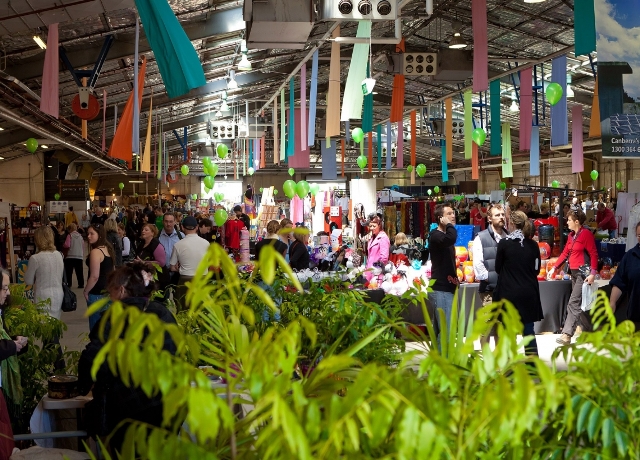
(514, 103)
(232, 83)
(457, 42)
(570, 93)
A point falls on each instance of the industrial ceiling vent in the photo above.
(457, 125)
(420, 64)
(374, 10)
(278, 24)
(223, 131)
(454, 65)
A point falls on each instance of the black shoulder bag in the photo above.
(69, 300)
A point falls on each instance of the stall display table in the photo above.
(613, 251)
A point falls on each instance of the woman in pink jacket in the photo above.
(378, 247)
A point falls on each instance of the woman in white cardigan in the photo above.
(45, 270)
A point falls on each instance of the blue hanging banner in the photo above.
(312, 100)
(292, 122)
(559, 114)
(329, 166)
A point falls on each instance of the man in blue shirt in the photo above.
(169, 235)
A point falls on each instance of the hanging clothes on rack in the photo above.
(626, 201)
(634, 218)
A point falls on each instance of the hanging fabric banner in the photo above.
(468, 125)
(534, 157)
(146, 154)
(577, 153)
(50, 94)
(400, 145)
(252, 145)
(160, 152)
(584, 27)
(507, 163)
(115, 118)
(177, 59)
(300, 158)
(291, 146)
(276, 144)
(559, 115)
(397, 98)
(413, 139)
(121, 145)
(283, 125)
(137, 89)
(595, 129)
(494, 102)
(245, 147)
(370, 151)
(480, 46)
(104, 120)
(475, 162)
(379, 146)
(367, 117)
(313, 101)
(389, 153)
(443, 162)
(448, 127)
(347, 131)
(155, 150)
(333, 94)
(342, 142)
(353, 96)
(526, 114)
(303, 107)
(329, 171)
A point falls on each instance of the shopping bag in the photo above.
(589, 295)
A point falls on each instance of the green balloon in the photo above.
(555, 184)
(409, 168)
(594, 175)
(194, 197)
(421, 170)
(57, 196)
(222, 151)
(618, 185)
(429, 192)
(32, 145)
(436, 189)
(220, 217)
(292, 172)
(357, 134)
(207, 189)
(213, 169)
(184, 169)
(302, 188)
(479, 136)
(275, 192)
(120, 185)
(206, 161)
(208, 181)
(362, 160)
(289, 188)
(503, 186)
(250, 171)
(314, 189)
(554, 93)
(261, 189)
(218, 196)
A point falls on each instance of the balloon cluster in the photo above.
(301, 189)
(358, 136)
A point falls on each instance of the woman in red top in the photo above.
(580, 250)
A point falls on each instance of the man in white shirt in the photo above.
(485, 249)
(186, 255)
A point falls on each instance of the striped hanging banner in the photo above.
(559, 115)
(304, 140)
(388, 165)
(370, 150)
(313, 100)
(379, 146)
(475, 163)
(448, 127)
(526, 115)
(443, 163)
(507, 162)
(480, 46)
(468, 125)
(494, 102)
(333, 94)
(400, 145)
(283, 125)
(534, 157)
(577, 153)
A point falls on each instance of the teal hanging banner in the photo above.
(367, 117)
(292, 123)
(494, 102)
(178, 62)
(584, 27)
(379, 146)
(445, 167)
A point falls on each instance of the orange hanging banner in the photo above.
(448, 127)
(121, 144)
(595, 129)
(263, 156)
(475, 163)
(370, 149)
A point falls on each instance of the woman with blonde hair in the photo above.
(399, 250)
(45, 270)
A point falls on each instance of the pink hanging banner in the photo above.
(480, 50)
(577, 153)
(526, 116)
(300, 158)
(104, 120)
(399, 141)
(50, 94)
(303, 107)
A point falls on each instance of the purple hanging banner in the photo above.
(577, 153)
(534, 157)
(526, 115)
(559, 115)
(480, 46)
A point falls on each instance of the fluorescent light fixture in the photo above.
(39, 42)
(1, 128)
(224, 107)
(232, 83)
(136, 182)
(44, 146)
(49, 166)
(457, 42)
(1, 158)
(534, 1)
(244, 63)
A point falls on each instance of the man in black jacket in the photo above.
(443, 261)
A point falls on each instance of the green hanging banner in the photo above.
(494, 102)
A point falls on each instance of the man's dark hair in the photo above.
(237, 208)
(205, 223)
(70, 208)
(439, 212)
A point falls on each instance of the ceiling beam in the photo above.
(14, 137)
(218, 23)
